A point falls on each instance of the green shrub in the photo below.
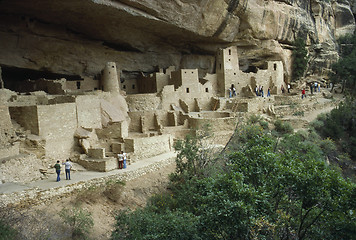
(317, 124)
(113, 190)
(283, 127)
(299, 113)
(7, 232)
(264, 125)
(254, 119)
(147, 225)
(79, 220)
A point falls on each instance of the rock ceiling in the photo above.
(77, 37)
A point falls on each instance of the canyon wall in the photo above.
(77, 38)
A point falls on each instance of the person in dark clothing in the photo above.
(57, 166)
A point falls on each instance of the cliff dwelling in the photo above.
(90, 120)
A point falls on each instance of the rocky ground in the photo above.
(104, 204)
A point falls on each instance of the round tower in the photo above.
(109, 78)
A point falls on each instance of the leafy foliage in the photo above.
(344, 71)
(340, 126)
(79, 220)
(7, 232)
(300, 59)
(269, 188)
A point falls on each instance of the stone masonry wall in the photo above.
(27, 117)
(57, 124)
(142, 148)
(88, 111)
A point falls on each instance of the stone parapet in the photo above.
(37, 196)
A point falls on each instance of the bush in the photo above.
(299, 113)
(113, 190)
(283, 127)
(146, 225)
(264, 125)
(7, 232)
(79, 220)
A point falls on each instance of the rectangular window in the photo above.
(275, 66)
(133, 86)
(206, 89)
(187, 90)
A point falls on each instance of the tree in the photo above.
(300, 59)
(267, 189)
(344, 71)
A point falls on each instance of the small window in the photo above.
(185, 72)
(187, 90)
(229, 52)
(275, 66)
(133, 86)
(192, 72)
(234, 73)
(113, 66)
(220, 65)
(229, 59)
(78, 85)
(206, 89)
(124, 87)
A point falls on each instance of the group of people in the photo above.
(288, 88)
(68, 167)
(314, 87)
(122, 159)
(232, 91)
(260, 93)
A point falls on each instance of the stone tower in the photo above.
(110, 78)
(227, 69)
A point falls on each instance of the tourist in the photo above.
(230, 93)
(256, 90)
(261, 91)
(311, 88)
(303, 93)
(288, 87)
(282, 88)
(120, 158)
(125, 159)
(315, 86)
(57, 166)
(233, 90)
(68, 167)
(318, 87)
(268, 92)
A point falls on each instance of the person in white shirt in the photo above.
(120, 158)
(68, 167)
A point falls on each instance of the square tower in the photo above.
(227, 69)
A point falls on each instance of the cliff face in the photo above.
(79, 37)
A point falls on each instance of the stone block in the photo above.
(98, 153)
(117, 147)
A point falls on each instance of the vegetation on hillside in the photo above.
(344, 70)
(300, 59)
(263, 186)
(340, 127)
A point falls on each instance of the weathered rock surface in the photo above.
(77, 38)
